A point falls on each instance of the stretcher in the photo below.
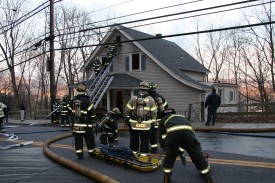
(127, 158)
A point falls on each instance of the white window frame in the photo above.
(232, 96)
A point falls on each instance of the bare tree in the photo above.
(214, 53)
(11, 37)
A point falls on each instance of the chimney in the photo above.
(158, 35)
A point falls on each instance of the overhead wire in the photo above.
(153, 37)
(138, 13)
(162, 16)
(192, 16)
(162, 36)
(120, 17)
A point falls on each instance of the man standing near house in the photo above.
(212, 103)
(97, 66)
(161, 105)
(141, 112)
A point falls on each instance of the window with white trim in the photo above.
(232, 96)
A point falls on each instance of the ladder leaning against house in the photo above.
(102, 81)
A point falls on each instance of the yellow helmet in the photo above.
(144, 85)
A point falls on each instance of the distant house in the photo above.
(180, 78)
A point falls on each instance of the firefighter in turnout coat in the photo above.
(83, 116)
(175, 134)
(161, 105)
(64, 112)
(141, 112)
(108, 127)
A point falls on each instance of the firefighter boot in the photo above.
(209, 178)
(167, 178)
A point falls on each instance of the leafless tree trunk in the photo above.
(11, 37)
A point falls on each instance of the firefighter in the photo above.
(161, 105)
(108, 127)
(56, 109)
(174, 134)
(97, 66)
(83, 116)
(111, 51)
(64, 112)
(141, 112)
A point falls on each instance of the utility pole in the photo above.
(51, 62)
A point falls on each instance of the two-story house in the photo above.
(180, 78)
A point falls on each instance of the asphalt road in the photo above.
(233, 158)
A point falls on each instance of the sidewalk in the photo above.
(196, 125)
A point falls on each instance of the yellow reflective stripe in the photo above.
(90, 125)
(91, 150)
(78, 131)
(154, 145)
(81, 125)
(79, 151)
(167, 170)
(171, 116)
(146, 108)
(154, 108)
(129, 106)
(93, 116)
(165, 104)
(181, 149)
(84, 112)
(205, 171)
(163, 136)
(90, 107)
(179, 127)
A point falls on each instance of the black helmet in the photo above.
(82, 87)
(115, 111)
(144, 85)
(153, 87)
(167, 112)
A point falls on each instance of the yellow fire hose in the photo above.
(93, 174)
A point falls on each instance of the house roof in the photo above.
(166, 54)
(124, 81)
(169, 54)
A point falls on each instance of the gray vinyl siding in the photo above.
(195, 75)
(178, 95)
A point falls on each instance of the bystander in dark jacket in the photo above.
(212, 103)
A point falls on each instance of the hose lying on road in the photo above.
(93, 174)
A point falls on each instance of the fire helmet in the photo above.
(144, 85)
(81, 88)
(167, 112)
(153, 86)
(115, 111)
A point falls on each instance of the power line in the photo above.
(75, 37)
(159, 37)
(203, 14)
(15, 24)
(163, 16)
(138, 13)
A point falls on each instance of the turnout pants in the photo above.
(89, 139)
(139, 137)
(187, 140)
